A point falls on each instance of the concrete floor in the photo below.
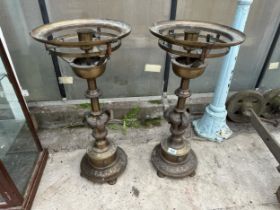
(239, 173)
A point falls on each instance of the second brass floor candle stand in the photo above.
(191, 42)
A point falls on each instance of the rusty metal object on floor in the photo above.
(246, 106)
(241, 102)
(192, 42)
(272, 104)
(273, 122)
(86, 44)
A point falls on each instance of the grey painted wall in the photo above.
(33, 67)
(272, 76)
(125, 75)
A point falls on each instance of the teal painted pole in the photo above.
(212, 125)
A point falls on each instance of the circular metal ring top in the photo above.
(166, 31)
(42, 33)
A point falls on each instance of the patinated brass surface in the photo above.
(86, 44)
(68, 42)
(232, 36)
(173, 157)
(119, 31)
(192, 42)
(211, 40)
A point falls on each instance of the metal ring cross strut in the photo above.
(234, 36)
(211, 36)
(105, 37)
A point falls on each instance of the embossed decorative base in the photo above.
(174, 169)
(108, 173)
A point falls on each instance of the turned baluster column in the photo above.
(99, 130)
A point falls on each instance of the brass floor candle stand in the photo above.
(86, 44)
(192, 42)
